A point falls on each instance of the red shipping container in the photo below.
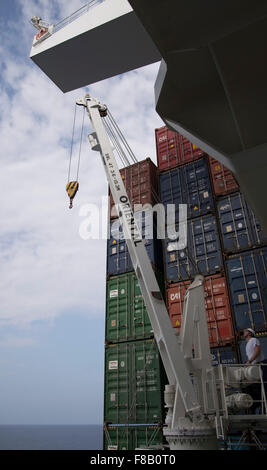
(223, 179)
(141, 183)
(218, 310)
(173, 149)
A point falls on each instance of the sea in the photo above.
(20, 437)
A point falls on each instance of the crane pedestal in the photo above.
(191, 442)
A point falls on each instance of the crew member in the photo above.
(253, 347)
(255, 356)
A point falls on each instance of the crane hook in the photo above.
(72, 188)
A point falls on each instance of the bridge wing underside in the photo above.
(211, 85)
(104, 42)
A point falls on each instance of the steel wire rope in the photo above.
(81, 138)
(117, 138)
(122, 138)
(71, 148)
(127, 146)
(115, 143)
(112, 142)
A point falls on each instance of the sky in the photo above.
(52, 282)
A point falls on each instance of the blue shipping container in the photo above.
(248, 288)
(239, 228)
(118, 257)
(259, 237)
(202, 255)
(225, 355)
(242, 348)
(188, 184)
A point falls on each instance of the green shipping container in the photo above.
(126, 315)
(132, 437)
(134, 383)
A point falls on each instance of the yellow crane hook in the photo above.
(72, 188)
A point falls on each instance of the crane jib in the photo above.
(124, 206)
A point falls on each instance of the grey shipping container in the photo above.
(248, 289)
(202, 254)
(134, 383)
(118, 257)
(239, 227)
(188, 184)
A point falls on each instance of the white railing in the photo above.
(241, 391)
(236, 382)
(76, 14)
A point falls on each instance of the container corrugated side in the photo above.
(133, 437)
(259, 237)
(202, 254)
(248, 289)
(218, 310)
(225, 355)
(223, 179)
(189, 184)
(173, 149)
(126, 314)
(263, 343)
(141, 184)
(134, 383)
(239, 227)
(118, 257)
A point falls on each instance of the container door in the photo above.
(118, 312)
(141, 326)
(117, 386)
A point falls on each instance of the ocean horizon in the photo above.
(51, 437)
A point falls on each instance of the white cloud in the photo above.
(46, 269)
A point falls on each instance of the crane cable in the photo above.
(115, 142)
(81, 139)
(73, 186)
(121, 136)
(71, 147)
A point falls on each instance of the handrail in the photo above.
(61, 24)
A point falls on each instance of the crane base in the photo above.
(177, 442)
(189, 435)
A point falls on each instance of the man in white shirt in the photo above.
(253, 347)
(255, 356)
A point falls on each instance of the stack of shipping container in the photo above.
(134, 375)
(185, 178)
(224, 243)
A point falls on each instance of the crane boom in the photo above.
(178, 365)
